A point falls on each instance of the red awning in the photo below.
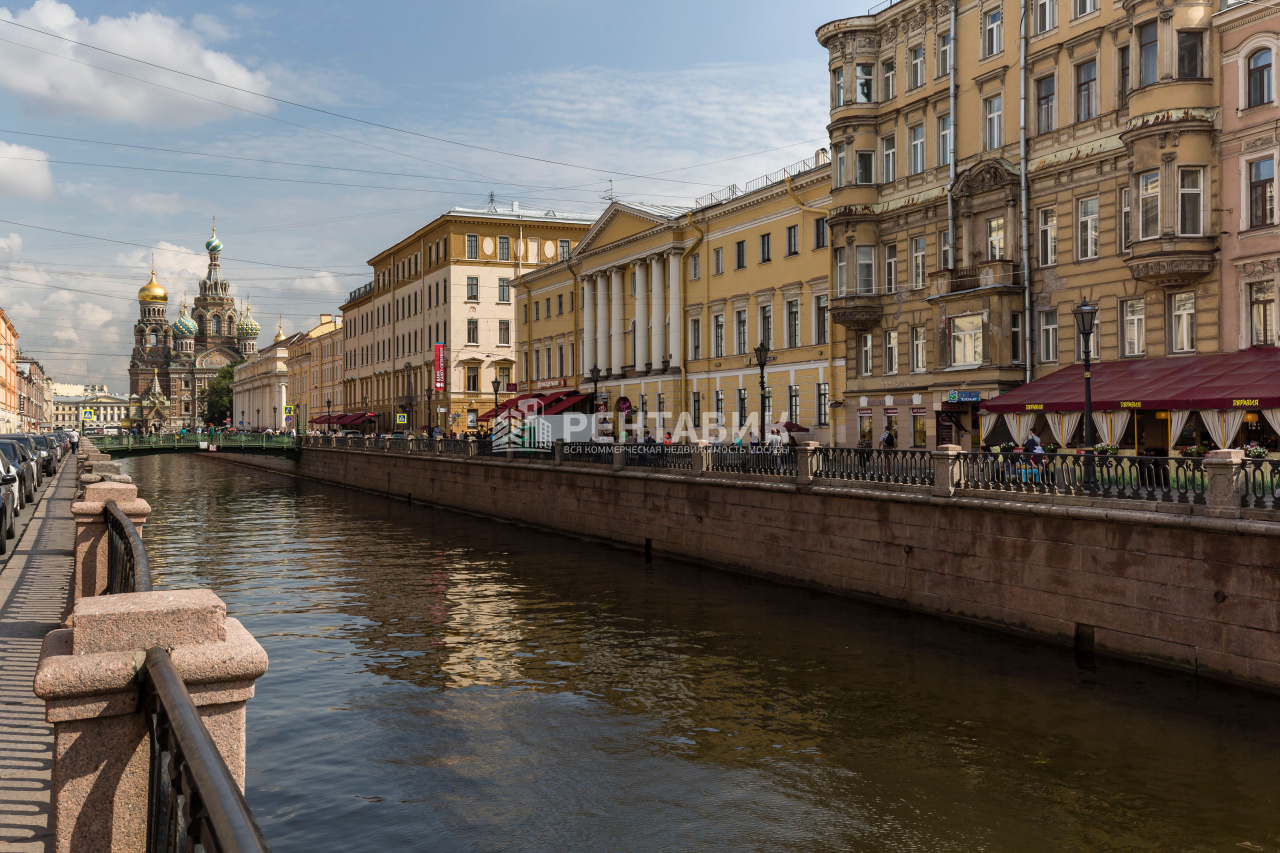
(1248, 379)
(354, 419)
(502, 407)
(564, 403)
(321, 419)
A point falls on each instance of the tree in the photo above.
(216, 398)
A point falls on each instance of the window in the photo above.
(504, 332)
(1045, 90)
(915, 135)
(504, 248)
(740, 332)
(1260, 77)
(717, 331)
(866, 269)
(841, 271)
(1087, 90)
(473, 377)
(919, 348)
(890, 147)
(915, 56)
(1148, 58)
(1190, 64)
(473, 331)
(890, 352)
(473, 288)
(944, 140)
(824, 403)
(864, 167)
(820, 233)
(717, 261)
(1047, 218)
(695, 266)
(1262, 309)
(838, 173)
(1015, 336)
(564, 250)
(944, 250)
(504, 376)
(793, 240)
(995, 238)
(631, 277)
(1135, 327)
(917, 263)
(537, 310)
(864, 93)
(966, 340)
(864, 354)
(992, 110)
(1122, 64)
(820, 320)
(766, 325)
(837, 87)
(992, 33)
(742, 406)
(1148, 205)
(1087, 247)
(740, 255)
(1126, 234)
(890, 80)
(504, 290)
(526, 313)
(695, 408)
(793, 323)
(718, 402)
(793, 403)
(1045, 15)
(695, 337)
(473, 247)
(1049, 335)
(560, 360)
(1190, 202)
(766, 248)
(1262, 193)
(1184, 322)
(1084, 7)
(890, 268)
(559, 303)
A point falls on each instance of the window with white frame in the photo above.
(793, 403)
(864, 93)
(824, 403)
(992, 33)
(889, 145)
(766, 247)
(793, 240)
(993, 122)
(915, 137)
(918, 270)
(842, 273)
(1135, 327)
(864, 354)
(841, 165)
(1084, 7)
(944, 250)
(821, 317)
(1260, 82)
(915, 56)
(1262, 193)
(742, 406)
(1148, 205)
(837, 87)
(1087, 90)
(1016, 337)
(944, 140)
(695, 266)
(890, 360)
(966, 340)
(1184, 322)
(1190, 202)
(695, 337)
(719, 404)
(717, 261)
(1126, 234)
(740, 332)
(864, 171)
(1045, 15)
(717, 336)
(866, 269)
(891, 268)
(1046, 95)
(504, 332)
(890, 80)
(1049, 335)
(1047, 226)
(739, 260)
(1262, 313)
(473, 331)
(564, 250)
(1148, 55)
(995, 238)
(473, 289)
(944, 54)
(1087, 228)
(793, 322)
(919, 349)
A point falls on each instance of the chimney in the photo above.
(821, 157)
(326, 318)
(515, 207)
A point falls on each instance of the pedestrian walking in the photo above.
(887, 441)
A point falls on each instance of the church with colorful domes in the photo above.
(172, 362)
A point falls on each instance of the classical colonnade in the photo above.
(604, 333)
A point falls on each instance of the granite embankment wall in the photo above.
(1196, 593)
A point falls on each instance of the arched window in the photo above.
(1260, 77)
(217, 325)
(200, 324)
(151, 339)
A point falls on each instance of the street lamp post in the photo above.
(328, 410)
(273, 418)
(257, 418)
(408, 394)
(762, 358)
(595, 397)
(363, 412)
(1085, 315)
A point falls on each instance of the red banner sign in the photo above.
(440, 366)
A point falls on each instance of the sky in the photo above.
(125, 128)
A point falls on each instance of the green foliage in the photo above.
(215, 397)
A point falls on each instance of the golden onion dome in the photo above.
(152, 291)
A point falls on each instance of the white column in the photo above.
(588, 323)
(657, 338)
(602, 321)
(617, 356)
(642, 315)
(675, 308)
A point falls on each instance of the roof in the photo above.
(516, 213)
(1246, 379)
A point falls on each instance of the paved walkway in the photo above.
(35, 586)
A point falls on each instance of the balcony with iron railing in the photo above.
(998, 273)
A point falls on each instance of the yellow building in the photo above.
(670, 303)
(260, 384)
(1108, 195)
(315, 373)
(449, 283)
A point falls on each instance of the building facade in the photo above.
(315, 372)
(448, 284)
(260, 387)
(669, 305)
(963, 238)
(34, 396)
(10, 418)
(108, 411)
(172, 364)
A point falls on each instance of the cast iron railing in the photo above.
(1263, 483)
(1143, 478)
(909, 467)
(127, 569)
(737, 459)
(588, 451)
(678, 456)
(193, 801)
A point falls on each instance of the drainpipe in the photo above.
(577, 306)
(951, 160)
(831, 335)
(1024, 260)
(684, 332)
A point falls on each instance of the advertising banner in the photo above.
(440, 367)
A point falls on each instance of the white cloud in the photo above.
(51, 84)
(157, 203)
(210, 26)
(24, 172)
(11, 246)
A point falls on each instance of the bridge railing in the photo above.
(1143, 478)
(127, 568)
(905, 467)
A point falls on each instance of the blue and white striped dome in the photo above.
(184, 326)
(214, 245)
(247, 327)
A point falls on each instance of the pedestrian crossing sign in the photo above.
(288, 410)
(402, 418)
(86, 414)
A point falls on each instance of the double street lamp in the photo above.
(1086, 315)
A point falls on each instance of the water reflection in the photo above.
(442, 682)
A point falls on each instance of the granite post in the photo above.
(90, 577)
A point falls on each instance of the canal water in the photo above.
(441, 682)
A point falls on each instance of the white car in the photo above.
(14, 486)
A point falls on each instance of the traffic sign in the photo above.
(402, 418)
(288, 410)
(287, 418)
(86, 414)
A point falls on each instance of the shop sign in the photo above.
(893, 412)
(1131, 404)
(919, 410)
(964, 396)
(864, 411)
(548, 383)
(1238, 403)
(512, 387)
(1034, 407)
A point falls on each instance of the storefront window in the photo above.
(918, 437)
(864, 429)
(891, 424)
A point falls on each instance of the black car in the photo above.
(50, 459)
(20, 458)
(29, 443)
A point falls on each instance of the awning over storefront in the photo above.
(321, 419)
(358, 418)
(1237, 380)
(544, 401)
(503, 406)
(565, 402)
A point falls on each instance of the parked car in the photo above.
(19, 457)
(8, 510)
(48, 455)
(14, 488)
(29, 443)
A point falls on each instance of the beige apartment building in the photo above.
(315, 373)
(963, 237)
(447, 284)
(669, 304)
(260, 386)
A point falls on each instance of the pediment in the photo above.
(618, 222)
(986, 176)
